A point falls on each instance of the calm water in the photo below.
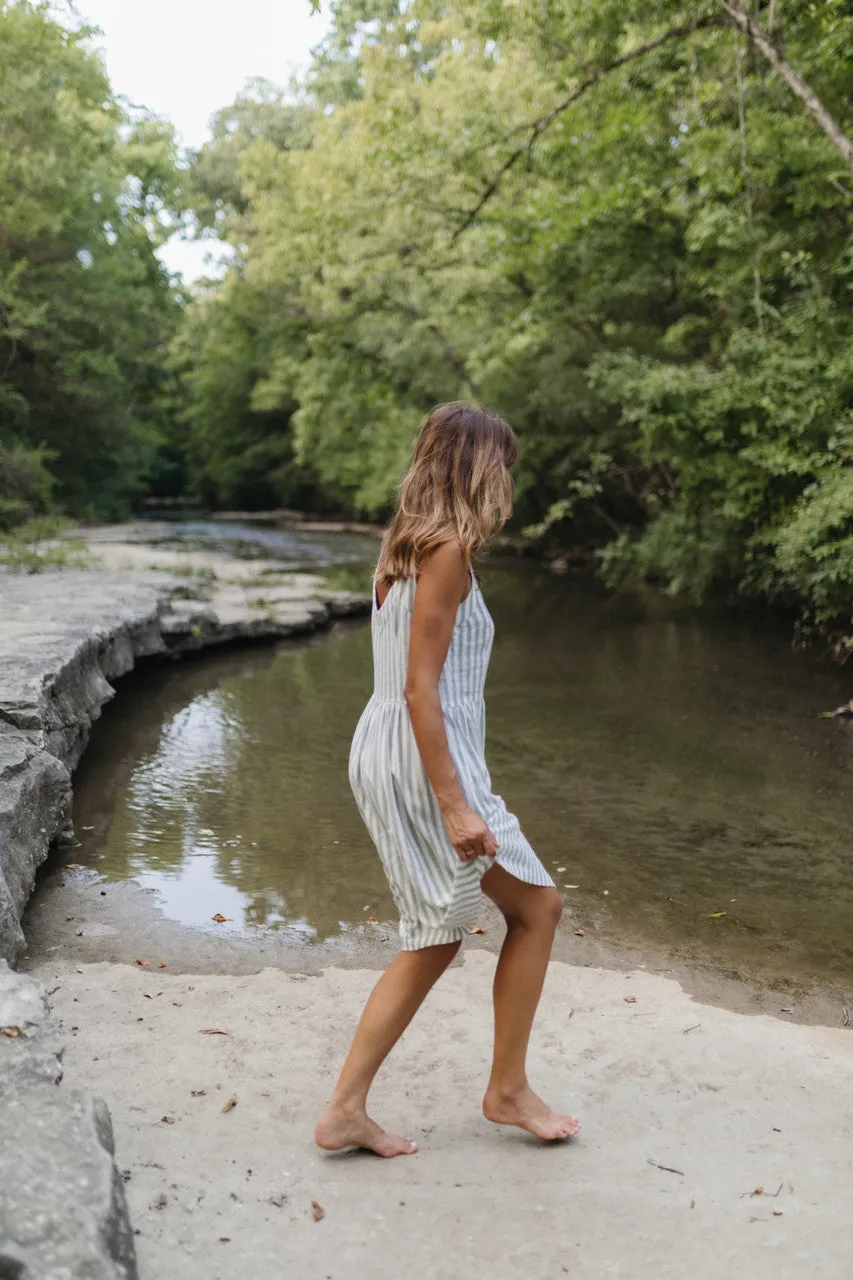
(671, 765)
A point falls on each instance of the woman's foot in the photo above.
(526, 1110)
(337, 1129)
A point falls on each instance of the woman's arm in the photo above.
(442, 581)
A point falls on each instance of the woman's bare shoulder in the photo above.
(445, 570)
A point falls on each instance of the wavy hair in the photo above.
(458, 486)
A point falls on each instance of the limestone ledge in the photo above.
(66, 636)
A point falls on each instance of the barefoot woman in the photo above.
(419, 775)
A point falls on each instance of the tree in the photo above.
(85, 305)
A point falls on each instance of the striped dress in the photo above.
(436, 893)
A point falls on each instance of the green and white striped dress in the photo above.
(437, 894)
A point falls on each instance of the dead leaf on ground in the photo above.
(197, 1093)
(143, 963)
(162, 964)
(230, 1104)
(220, 919)
(630, 999)
(12, 1032)
(581, 933)
(318, 1211)
(478, 928)
(212, 1031)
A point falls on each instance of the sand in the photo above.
(687, 1111)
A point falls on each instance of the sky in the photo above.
(185, 58)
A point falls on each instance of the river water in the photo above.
(670, 766)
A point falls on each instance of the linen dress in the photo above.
(436, 893)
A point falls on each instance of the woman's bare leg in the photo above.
(393, 1003)
(532, 913)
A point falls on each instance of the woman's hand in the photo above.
(469, 834)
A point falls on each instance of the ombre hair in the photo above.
(457, 487)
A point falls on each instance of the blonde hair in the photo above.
(457, 486)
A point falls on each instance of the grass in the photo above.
(41, 543)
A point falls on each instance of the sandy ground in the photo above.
(687, 1110)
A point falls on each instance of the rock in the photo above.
(15, 1264)
(62, 1204)
(65, 636)
(35, 809)
(22, 1004)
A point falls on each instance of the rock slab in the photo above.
(65, 637)
(63, 1211)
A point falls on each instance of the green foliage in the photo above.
(40, 543)
(648, 270)
(85, 306)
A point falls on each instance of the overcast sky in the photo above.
(186, 58)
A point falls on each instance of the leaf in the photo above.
(581, 933)
(230, 1104)
(213, 1031)
(318, 1211)
(198, 1093)
(11, 1032)
(478, 928)
(220, 919)
(630, 999)
(162, 964)
(143, 963)
(716, 915)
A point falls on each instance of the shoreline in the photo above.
(688, 1107)
(710, 1140)
(66, 635)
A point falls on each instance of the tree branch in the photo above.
(733, 14)
(536, 130)
(795, 82)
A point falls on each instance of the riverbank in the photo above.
(687, 1108)
(711, 1142)
(65, 638)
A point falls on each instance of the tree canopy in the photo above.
(625, 226)
(86, 309)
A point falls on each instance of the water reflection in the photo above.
(674, 765)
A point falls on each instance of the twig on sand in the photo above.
(666, 1168)
(845, 1016)
(695, 1027)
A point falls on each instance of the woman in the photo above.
(419, 776)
